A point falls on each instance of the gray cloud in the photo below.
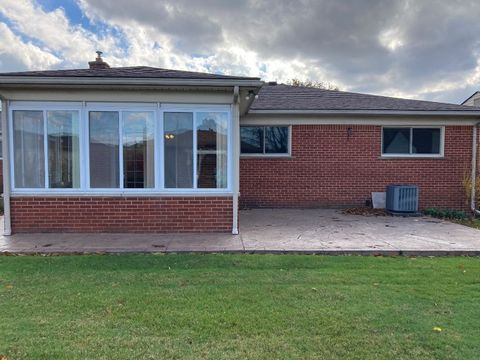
(419, 48)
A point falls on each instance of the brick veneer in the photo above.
(330, 168)
(121, 214)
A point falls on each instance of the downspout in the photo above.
(473, 204)
(236, 157)
(7, 229)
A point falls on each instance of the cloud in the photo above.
(422, 49)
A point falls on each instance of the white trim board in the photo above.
(387, 121)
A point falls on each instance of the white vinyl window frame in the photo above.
(265, 154)
(410, 154)
(195, 109)
(158, 109)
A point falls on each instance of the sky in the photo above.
(420, 49)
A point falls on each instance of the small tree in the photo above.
(313, 84)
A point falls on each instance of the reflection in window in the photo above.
(63, 149)
(178, 149)
(28, 149)
(251, 140)
(138, 150)
(264, 140)
(396, 140)
(276, 140)
(212, 150)
(104, 152)
(410, 141)
(426, 141)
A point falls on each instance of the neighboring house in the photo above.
(473, 100)
(141, 149)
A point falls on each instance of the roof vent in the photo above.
(98, 64)
(272, 83)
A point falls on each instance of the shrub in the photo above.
(446, 214)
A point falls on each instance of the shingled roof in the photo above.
(296, 98)
(127, 72)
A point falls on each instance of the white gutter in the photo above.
(236, 157)
(35, 80)
(7, 229)
(368, 112)
(473, 205)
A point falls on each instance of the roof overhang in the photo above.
(13, 81)
(473, 113)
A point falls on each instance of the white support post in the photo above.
(7, 228)
(236, 157)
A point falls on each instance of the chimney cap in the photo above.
(98, 64)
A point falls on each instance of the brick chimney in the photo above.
(98, 64)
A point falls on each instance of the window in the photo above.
(197, 147)
(28, 149)
(63, 149)
(412, 141)
(138, 150)
(264, 140)
(51, 135)
(114, 148)
(104, 149)
(136, 139)
(178, 143)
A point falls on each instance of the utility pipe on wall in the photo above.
(7, 229)
(473, 204)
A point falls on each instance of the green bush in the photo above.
(446, 214)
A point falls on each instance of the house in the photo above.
(142, 149)
(473, 100)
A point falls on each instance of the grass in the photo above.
(239, 307)
(473, 222)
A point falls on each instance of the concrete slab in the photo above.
(326, 229)
(319, 231)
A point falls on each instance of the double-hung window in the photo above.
(265, 140)
(412, 141)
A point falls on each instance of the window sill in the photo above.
(385, 157)
(120, 194)
(265, 156)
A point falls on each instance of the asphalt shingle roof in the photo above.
(127, 72)
(286, 97)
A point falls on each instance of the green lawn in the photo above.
(239, 307)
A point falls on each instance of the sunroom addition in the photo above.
(120, 148)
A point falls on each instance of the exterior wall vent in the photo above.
(402, 199)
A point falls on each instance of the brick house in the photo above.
(141, 149)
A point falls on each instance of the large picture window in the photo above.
(412, 141)
(110, 148)
(264, 140)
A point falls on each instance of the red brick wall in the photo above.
(327, 168)
(121, 214)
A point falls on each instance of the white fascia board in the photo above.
(475, 113)
(70, 81)
(353, 120)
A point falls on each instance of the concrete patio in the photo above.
(316, 231)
